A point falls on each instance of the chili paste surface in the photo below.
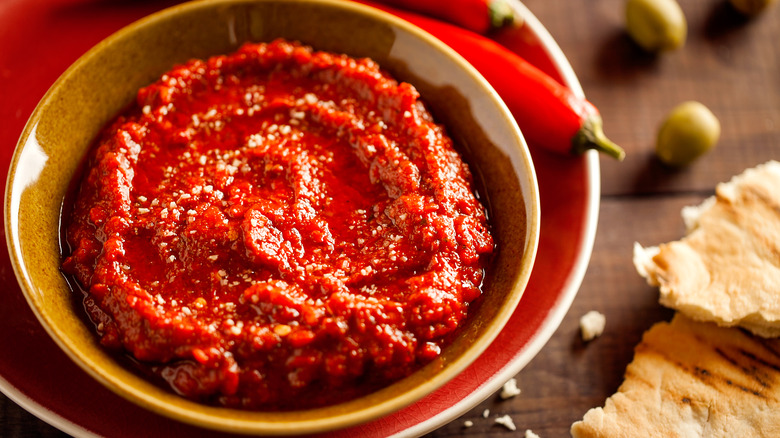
(277, 228)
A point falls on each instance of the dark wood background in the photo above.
(729, 63)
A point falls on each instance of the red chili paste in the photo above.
(277, 228)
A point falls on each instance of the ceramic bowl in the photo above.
(104, 80)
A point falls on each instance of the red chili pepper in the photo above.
(548, 113)
(480, 16)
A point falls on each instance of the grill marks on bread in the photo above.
(693, 379)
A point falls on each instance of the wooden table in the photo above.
(729, 63)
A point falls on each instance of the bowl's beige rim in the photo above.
(272, 423)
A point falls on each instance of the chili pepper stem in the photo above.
(501, 14)
(591, 136)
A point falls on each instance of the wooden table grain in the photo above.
(731, 64)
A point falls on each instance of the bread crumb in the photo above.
(507, 422)
(592, 325)
(486, 413)
(468, 423)
(529, 434)
(509, 389)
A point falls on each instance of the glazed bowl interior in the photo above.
(104, 81)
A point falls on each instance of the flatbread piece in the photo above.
(727, 268)
(693, 379)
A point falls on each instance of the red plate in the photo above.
(39, 39)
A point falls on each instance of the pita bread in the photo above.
(693, 379)
(727, 268)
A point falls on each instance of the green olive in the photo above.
(689, 131)
(656, 25)
(751, 7)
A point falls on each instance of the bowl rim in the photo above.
(209, 417)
